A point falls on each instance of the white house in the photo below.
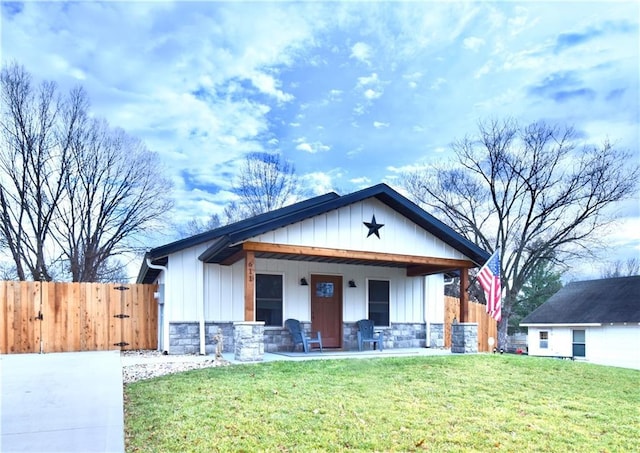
(328, 261)
(594, 320)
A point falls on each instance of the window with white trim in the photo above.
(579, 343)
(269, 299)
(544, 339)
(378, 294)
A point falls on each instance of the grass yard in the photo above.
(440, 403)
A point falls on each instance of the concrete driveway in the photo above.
(62, 402)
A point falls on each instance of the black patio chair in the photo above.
(366, 334)
(299, 336)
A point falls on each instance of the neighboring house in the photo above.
(327, 261)
(595, 320)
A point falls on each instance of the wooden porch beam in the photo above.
(233, 258)
(284, 249)
(249, 286)
(464, 295)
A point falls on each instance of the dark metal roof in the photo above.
(227, 237)
(611, 300)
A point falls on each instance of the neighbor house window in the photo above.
(379, 302)
(579, 343)
(544, 340)
(269, 299)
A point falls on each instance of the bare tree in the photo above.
(530, 191)
(620, 268)
(197, 226)
(32, 163)
(113, 192)
(266, 182)
(72, 189)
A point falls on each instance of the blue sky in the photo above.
(352, 93)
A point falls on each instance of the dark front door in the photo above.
(326, 309)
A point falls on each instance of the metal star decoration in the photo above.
(374, 227)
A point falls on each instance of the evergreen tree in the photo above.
(543, 283)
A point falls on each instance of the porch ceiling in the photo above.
(414, 265)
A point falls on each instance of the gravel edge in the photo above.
(152, 364)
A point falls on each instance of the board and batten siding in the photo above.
(343, 228)
(225, 302)
(184, 285)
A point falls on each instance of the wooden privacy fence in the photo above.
(487, 326)
(65, 317)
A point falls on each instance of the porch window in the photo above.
(579, 343)
(544, 339)
(379, 302)
(269, 299)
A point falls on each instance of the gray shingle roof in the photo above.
(611, 300)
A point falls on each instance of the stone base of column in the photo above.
(436, 339)
(249, 341)
(464, 338)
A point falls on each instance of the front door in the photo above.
(326, 309)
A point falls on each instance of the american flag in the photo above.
(489, 278)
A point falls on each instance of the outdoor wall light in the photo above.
(352, 284)
(303, 282)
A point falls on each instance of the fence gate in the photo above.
(61, 317)
(122, 316)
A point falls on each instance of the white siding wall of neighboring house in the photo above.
(616, 345)
(559, 343)
(344, 229)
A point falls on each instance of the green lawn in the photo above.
(439, 403)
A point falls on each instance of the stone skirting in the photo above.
(184, 337)
(399, 335)
(278, 339)
(464, 338)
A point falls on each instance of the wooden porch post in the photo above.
(249, 286)
(464, 295)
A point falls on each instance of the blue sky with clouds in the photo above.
(352, 93)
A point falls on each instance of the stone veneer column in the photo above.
(437, 335)
(249, 341)
(464, 337)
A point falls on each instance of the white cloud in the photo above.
(380, 125)
(268, 85)
(320, 182)
(354, 152)
(361, 182)
(312, 148)
(405, 168)
(361, 52)
(368, 80)
(484, 70)
(335, 95)
(437, 84)
(370, 93)
(473, 43)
